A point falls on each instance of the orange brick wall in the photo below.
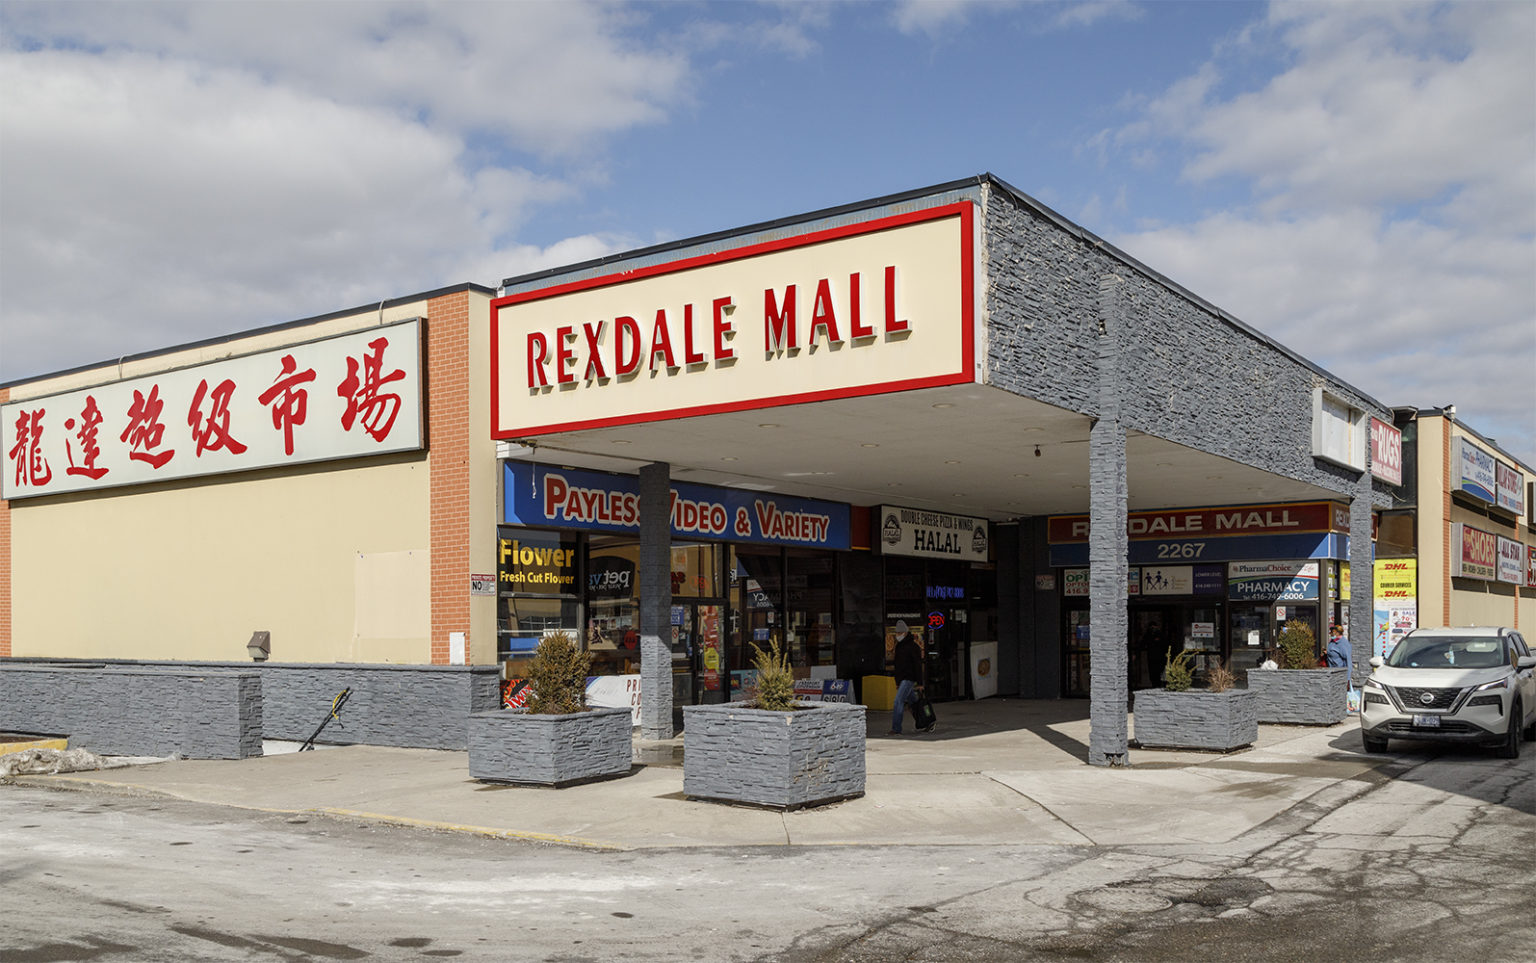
(448, 441)
(5, 564)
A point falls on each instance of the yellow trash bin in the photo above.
(879, 692)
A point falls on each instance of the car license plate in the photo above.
(1427, 722)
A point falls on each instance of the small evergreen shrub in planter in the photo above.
(1299, 692)
(1222, 718)
(556, 740)
(772, 751)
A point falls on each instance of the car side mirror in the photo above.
(1377, 662)
(1527, 662)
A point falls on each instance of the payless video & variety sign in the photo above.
(593, 501)
(344, 397)
(879, 306)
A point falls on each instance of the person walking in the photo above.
(1339, 654)
(909, 674)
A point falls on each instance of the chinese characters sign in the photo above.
(344, 397)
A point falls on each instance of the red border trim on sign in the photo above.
(963, 210)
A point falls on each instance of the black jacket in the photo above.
(909, 661)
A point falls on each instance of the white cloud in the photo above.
(176, 172)
(1393, 165)
(546, 76)
(935, 17)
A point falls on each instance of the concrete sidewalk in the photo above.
(995, 772)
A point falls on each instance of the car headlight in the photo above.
(1371, 683)
(1495, 684)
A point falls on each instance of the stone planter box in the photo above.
(1306, 697)
(785, 760)
(509, 745)
(1196, 719)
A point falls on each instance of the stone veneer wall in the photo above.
(812, 755)
(1196, 719)
(549, 750)
(197, 713)
(1185, 372)
(417, 706)
(1075, 324)
(1308, 697)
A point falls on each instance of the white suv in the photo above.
(1474, 685)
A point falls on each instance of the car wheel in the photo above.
(1373, 744)
(1510, 747)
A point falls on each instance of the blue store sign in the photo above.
(1272, 581)
(1229, 548)
(594, 501)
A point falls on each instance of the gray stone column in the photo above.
(1108, 547)
(1362, 576)
(655, 602)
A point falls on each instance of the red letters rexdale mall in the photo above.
(860, 309)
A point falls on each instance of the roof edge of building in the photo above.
(1153, 274)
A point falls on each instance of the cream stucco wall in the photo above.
(1432, 529)
(331, 558)
(484, 479)
(1472, 602)
(190, 571)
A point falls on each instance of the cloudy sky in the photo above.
(1358, 181)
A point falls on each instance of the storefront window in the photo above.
(613, 606)
(1394, 535)
(538, 579)
(1078, 624)
(696, 571)
(810, 635)
(1253, 636)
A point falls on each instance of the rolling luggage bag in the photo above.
(923, 716)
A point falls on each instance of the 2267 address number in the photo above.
(1179, 550)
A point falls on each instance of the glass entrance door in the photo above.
(948, 653)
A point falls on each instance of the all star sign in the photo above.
(859, 309)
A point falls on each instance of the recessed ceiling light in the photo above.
(728, 458)
(1021, 474)
(952, 461)
(943, 404)
(769, 424)
(869, 444)
(621, 441)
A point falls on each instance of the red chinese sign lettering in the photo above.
(212, 433)
(31, 467)
(378, 411)
(144, 429)
(292, 400)
(90, 424)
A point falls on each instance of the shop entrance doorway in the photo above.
(947, 653)
(700, 631)
(1154, 629)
